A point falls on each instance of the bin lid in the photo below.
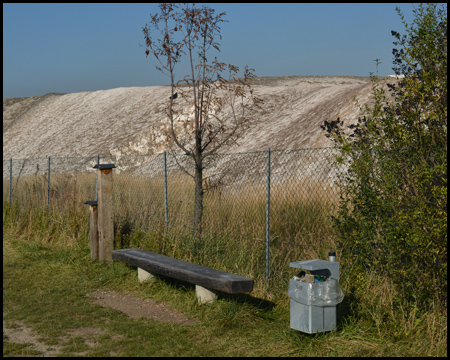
(318, 266)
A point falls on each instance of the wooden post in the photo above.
(93, 220)
(105, 212)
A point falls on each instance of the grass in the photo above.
(48, 273)
(46, 289)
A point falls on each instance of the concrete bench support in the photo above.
(204, 295)
(144, 276)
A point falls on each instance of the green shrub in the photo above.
(393, 207)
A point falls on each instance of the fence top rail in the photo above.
(172, 154)
(52, 157)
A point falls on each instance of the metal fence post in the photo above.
(10, 181)
(166, 199)
(48, 186)
(268, 220)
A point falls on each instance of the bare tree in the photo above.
(205, 110)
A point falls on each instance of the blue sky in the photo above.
(70, 48)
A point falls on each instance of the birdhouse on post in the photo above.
(105, 212)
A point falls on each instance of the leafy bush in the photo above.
(393, 206)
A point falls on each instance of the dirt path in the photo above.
(136, 308)
(17, 332)
(20, 334)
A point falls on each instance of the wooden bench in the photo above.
(207, 281)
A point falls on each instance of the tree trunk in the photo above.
(198, 206)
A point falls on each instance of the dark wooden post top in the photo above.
(104, 166)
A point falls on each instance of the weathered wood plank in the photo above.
(105, 212)
(93, 216)
(182, 270)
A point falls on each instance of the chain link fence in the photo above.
(261, 210)
(52, 181)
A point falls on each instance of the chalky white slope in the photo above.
(131, 120)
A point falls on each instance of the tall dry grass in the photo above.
(234, 221)
(234, 241)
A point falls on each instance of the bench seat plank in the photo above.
(182, 270)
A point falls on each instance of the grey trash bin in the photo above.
(313, 304)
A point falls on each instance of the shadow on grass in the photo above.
(185, 286)
(260, 304)
(347, 309)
